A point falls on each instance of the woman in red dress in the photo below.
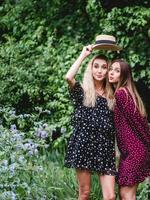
(133, 133)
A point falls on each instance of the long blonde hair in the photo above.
(126, 80)
(89, 87)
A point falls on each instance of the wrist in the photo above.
(82, 57)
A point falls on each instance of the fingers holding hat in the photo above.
(87, 50)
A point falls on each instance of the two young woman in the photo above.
(91, 146)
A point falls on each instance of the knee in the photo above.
(84, 193)
(126, 196)
(109, 197)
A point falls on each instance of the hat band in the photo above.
(105, 42)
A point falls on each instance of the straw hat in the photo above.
(106, 42)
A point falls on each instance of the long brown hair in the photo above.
(126, 80)
(88, 84)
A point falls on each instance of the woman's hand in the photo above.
(87, 50)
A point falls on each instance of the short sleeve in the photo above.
(76, 94)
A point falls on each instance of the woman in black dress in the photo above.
(91, 147)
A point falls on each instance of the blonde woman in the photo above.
(91, 147)
(132, 131)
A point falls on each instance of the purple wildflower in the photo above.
(13, 128)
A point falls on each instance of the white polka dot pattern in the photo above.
(92, 143)
(133, 139)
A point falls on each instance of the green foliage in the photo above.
(131, 26)
(39, 42)
(41, 39)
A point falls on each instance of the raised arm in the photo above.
(70, 76)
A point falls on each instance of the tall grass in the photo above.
(64, 184)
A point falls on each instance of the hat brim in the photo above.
(111, 47)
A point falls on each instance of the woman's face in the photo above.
(99, 69)
(114, 73)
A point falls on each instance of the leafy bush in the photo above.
(39, 42)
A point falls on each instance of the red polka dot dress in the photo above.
(133, 139)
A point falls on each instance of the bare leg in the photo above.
(108, 187)
(128, 192)
(84, 181)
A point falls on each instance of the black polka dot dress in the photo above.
(92, 143)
